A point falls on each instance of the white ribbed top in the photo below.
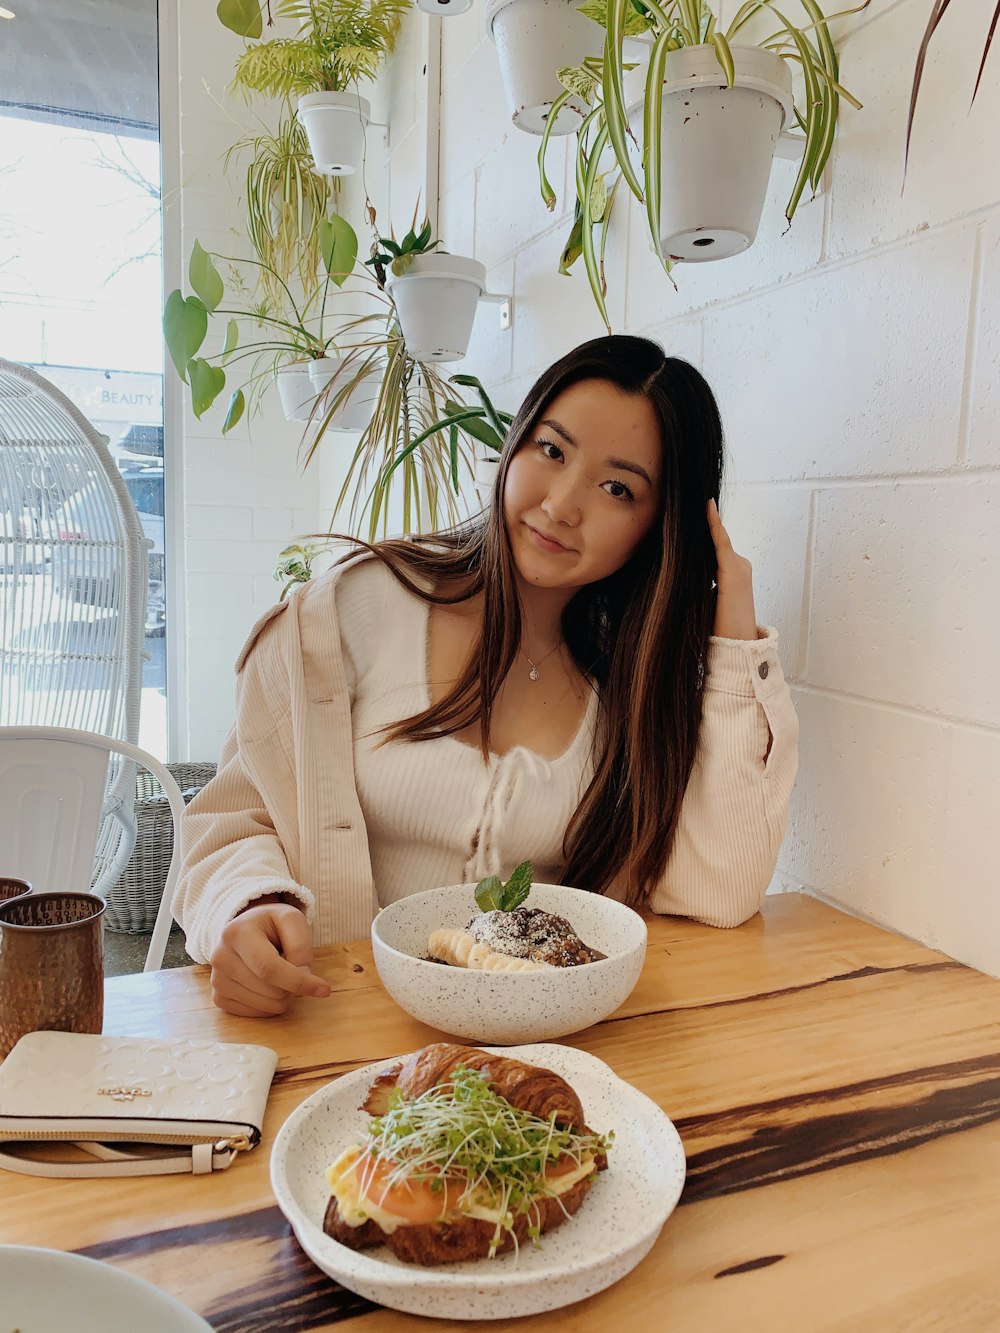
(303, 805)
(435, 812)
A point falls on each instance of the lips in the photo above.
(547, 543)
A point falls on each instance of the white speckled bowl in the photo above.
(614, 1229)
(507, 1007)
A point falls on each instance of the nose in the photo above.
(562, 502)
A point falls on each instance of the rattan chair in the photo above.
(134, 901)
(51, 782)
(73, 586)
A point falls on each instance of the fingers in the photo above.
(263, 960)
(719, 534)
(246, 1003)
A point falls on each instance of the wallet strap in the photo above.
(202, 1159)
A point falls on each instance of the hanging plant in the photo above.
(286, 200)
(435, 295)
(694, 73)
(338, 43)
(292, 331)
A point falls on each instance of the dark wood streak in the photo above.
(765, 1261)
(946, 965)
(262, 1224)
(292, 1293)
(298, 1296)
(782, 1150)
(317, 1073)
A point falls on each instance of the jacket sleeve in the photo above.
(231, 851)
(735, 808)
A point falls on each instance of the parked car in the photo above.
(80, 565)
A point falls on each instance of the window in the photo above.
(80, 245)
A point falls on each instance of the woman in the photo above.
(575, 678)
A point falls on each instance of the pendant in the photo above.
(533, 673)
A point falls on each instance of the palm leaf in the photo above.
(937, 14)
(986, 48)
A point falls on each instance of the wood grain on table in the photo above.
(837, 1089)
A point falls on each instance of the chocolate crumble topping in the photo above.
(528, 932)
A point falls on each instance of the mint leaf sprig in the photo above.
(493, 895)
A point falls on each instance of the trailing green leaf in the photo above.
(725, 57)
(232, 338)
(235, 410)
(589, 256)
(339, 247)
(185, 324)
(204, 278)
(207, 382)
(652, 134)
(241, 16)
(613, 88)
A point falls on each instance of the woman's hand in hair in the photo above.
(735, 617)
(263, 960)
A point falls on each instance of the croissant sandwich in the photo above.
(468, 1155)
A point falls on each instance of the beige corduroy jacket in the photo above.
(283, 815)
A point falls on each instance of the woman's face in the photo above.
(582, 490)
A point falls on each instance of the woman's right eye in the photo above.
(549, 448)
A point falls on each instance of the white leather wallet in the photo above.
(140, 1106)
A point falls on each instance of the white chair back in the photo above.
(52, 782)
(73, 584)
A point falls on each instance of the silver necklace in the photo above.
(533, 673)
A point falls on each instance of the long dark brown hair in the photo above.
(640, 635)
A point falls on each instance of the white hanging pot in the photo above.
(296, 391)
(335, 127)
(716, 149)
(444, 9)
(436, 300)
(534, 38)
(356, 412)
(485, 466)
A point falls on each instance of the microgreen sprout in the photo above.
(463, 1134)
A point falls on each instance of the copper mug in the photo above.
(12, 888)
(51, 965)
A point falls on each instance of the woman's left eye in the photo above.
(620, 491)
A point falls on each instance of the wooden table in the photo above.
(837, 1089)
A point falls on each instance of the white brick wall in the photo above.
(855, 359)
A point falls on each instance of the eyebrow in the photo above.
(622, 464)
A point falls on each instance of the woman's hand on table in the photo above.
(263, 961)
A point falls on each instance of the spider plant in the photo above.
(410, 428)
(666, 27)
(286, 200)
(937, 14)
(294, 330)
(338, 43)
(408, 433)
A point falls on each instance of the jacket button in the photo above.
(762, 670)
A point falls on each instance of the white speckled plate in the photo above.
(614, 1229)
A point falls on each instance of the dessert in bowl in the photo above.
(537, 990)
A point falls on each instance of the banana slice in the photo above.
(461, 950)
